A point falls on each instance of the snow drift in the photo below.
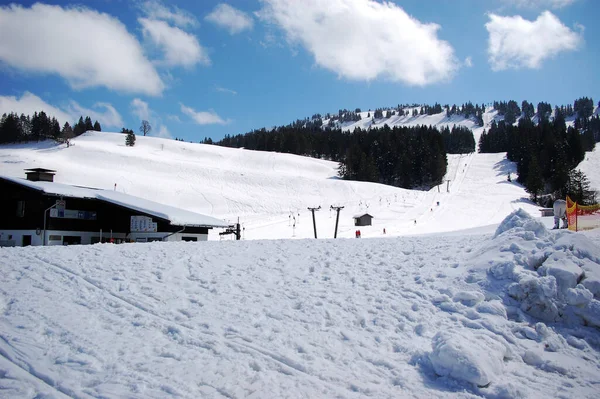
(553, 277)
(431, 316)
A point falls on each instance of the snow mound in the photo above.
(524, 224)
(470, 356)
(552, 277)
(527, 302)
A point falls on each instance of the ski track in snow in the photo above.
(300, 318)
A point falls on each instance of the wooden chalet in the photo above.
(363, 220)
(38, 211)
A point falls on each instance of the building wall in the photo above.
(22, 214)
(9, 238)
(162, 236)
(362, 221)
(14, 238)
(108, 216)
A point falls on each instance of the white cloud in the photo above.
(157, 10)
(104, 113)
(203, 117)
(539, 3)
(365, 39)
(164, 132)
(179, 47)
(225, 90)
(29, 103)
(85, 47)
(232, 19)
(140, 109)
(468, 62)
(515, 42)
(174, 118)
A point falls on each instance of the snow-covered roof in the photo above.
(176, 216)
(361, 215)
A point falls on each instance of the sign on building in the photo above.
(72, 214)
(142, 224)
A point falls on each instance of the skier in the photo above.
(560, 212)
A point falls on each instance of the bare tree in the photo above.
(145, 127)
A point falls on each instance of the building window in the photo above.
(20, 209)
(189, 238)
(54, 238)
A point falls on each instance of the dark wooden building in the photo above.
(363, 220)
(38, 211)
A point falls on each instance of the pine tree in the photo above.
(79, 127)
(578, 188)
(10, 128)
(88, 124)
(97, 127)
(25, 127)
(534, 184)
(54, 128)
(130, 139)
(41, 126)
(67, 134)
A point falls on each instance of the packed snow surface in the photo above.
(270, 193)
(591, 167)
(515, 314)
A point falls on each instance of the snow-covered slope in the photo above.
(591, 167)
(271, 191)
(439, 316)
(439, 120)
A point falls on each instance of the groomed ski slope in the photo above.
(494, 316)
(269, 192)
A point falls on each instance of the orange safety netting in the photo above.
(582, 217)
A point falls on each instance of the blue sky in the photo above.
(199, 69)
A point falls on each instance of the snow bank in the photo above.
(520, 221)
(552, 277)
(473, 357)
(526, 297)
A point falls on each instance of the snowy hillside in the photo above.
(494, 316)
(439, 120)
(267, 191)
(591, 167)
